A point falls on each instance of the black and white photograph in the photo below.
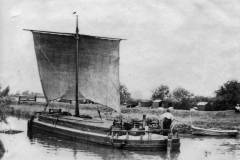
(120, 80)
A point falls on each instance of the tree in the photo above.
(197, 99)
(180, 93)
(183, 98)
(125, 96)
(228, 95)
(5, 92)
(162, 92)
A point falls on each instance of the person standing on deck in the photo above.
(167, 121)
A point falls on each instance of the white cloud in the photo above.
(188, 43)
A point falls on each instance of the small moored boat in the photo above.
(213, 132)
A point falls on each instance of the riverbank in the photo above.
(205, 119)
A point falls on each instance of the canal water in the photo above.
(45, 147)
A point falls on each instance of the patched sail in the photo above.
(98, 77)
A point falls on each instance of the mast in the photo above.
(76, 65)
(53, 57)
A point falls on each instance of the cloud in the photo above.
(189, 43)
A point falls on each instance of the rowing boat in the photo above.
(213, 132)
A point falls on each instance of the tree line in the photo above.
(225, 98)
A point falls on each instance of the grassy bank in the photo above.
(206, 119)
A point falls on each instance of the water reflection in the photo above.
(41, 146)
(94, 150)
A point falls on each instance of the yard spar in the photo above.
(97, 67)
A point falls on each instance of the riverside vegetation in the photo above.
(227, 119)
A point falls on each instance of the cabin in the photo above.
(22, 99)
(157, 103)
(201, 106)
(80, 101)
(145, 103)
(65, 101)
(132, 103)
(162, 103)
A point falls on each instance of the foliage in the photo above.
(4, 102)
(180, 98)
(4, 92)
(184, 104)
(228, 95)
(197, 99)
(180, 93)
(161, 92)
(125, 95)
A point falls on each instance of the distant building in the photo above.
(157, 103)
(145, 103)
(201, 106)
(132, 103)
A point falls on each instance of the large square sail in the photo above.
(98, 67)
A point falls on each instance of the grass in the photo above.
(205, 119)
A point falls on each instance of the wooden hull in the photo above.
(213, 132)
(103, 139)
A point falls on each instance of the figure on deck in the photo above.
(167, 121)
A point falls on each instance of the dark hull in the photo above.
(78, 135)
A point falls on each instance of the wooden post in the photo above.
(144, 121)
(19, 99)
(169, 145)
(141, 137)
(112, 134)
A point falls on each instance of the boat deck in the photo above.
(97, 125)
(92, 122)
(98, 131)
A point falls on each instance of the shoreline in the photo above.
(205, 119)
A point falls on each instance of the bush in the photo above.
(125, 95)
(184, 104)
(161, 92)
(227, 96)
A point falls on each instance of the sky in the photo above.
(193, 44)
